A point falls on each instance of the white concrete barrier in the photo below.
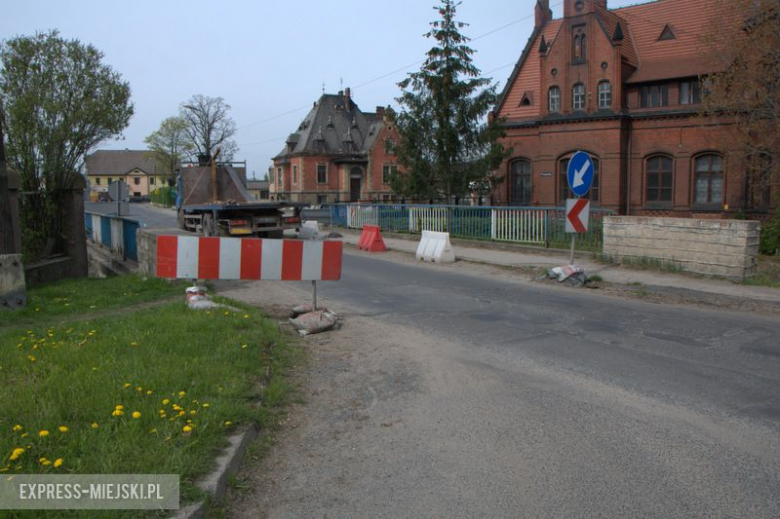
(310, 230)
(435, 247)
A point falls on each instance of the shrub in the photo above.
(770, 235)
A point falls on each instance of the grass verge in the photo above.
(143, 389)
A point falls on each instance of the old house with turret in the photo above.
(338, 153)
(623, 85)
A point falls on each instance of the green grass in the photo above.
(768, 272)
(176, 367)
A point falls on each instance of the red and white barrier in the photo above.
(196, 257)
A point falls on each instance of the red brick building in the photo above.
(337, 154)
(623, 85)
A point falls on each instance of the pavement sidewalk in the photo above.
(517, 256)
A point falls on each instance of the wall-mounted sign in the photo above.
(546, 173)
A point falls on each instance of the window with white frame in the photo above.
(554, 99)
(605, 95)
(578, 97)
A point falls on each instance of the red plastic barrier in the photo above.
(371, 239)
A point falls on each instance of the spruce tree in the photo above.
(447, 146)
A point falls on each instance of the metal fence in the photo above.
(116, 233)
(533, 225)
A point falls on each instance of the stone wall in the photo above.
(727, 248)
(13, 293)
(146, 240)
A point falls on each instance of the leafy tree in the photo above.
(744, 46)
(169, 144)
(58, 101)
(446, 146)
(208, 126)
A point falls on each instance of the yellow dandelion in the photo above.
(163, 415)
(127, 384)
(117, 412)
(244, 346)
(17, 428)
(246, 316)
(193, 412)
(43, 433)
(44, 461)
(95, 425)
(24, 435)
(149, 392)
(119, 407)
(16, 453)
(57, 462)
(228, 423)
(205, 406)
(136, 415)
(153, 430)
(186, 429)
(166, 401)
(134, 344)
(63, 428)
(94, 368)
(182, 393)
(31, 357)
(139, 389)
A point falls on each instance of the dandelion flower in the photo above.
(119, 407)
(205, 406)
(244, 346)
(127, 384)
(139, 389)
(95, 425)
(117, 412)
(186, 429)
(24, 435)
(18, 428)
(166, 401)
(44, 461)
(136, 415)
(57, 462)
(182, 393)
(133, 344)
(193, 412)
(43, 433)
(246, 316)
(149, 392)
(16, 453)
(228, 423)
(31, 357)
(63, 428)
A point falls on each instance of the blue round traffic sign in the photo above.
(580, 173)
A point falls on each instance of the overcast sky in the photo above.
(269, 59)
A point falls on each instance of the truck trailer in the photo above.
(212, 200)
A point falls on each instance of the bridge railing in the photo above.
(543, 226)
(115, 233)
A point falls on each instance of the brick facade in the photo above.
(646, 135)
(338, 154)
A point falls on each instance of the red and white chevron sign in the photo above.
(577, 212)
(196, 257)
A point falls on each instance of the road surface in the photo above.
(460, 391)
(148, 215)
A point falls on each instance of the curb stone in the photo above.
(215, 483)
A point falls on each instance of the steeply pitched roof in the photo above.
(333, 128)
(120, 162)
(668, 58)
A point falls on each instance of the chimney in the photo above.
(542, 13)
(380, 111)
(347, 98)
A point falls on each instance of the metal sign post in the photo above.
(580, 176)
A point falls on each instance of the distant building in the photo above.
(258, 188)
(623, 85)
(337, 154)
(136, 168)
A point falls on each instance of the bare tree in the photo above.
(208, 126)
(744, 46)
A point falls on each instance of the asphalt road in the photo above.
(491, 397)
(148, 215)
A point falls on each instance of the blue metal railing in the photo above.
(535, 225)
(116, 233)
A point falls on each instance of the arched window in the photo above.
(563, 182)
(554, 99)
(708, 180)
(658, 179)
(605, 95)
(578, 97)
(579, 44)
(521, 182)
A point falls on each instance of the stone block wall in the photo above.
(727, 248)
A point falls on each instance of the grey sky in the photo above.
(269, 59)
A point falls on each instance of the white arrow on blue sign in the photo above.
(580, 173)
